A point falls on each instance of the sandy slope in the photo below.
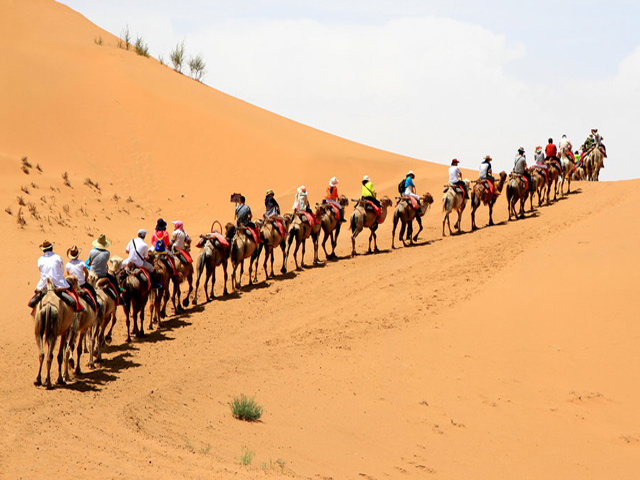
(511, 352)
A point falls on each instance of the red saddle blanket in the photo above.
(414, 203)
(87, 296)
(488, 186)
(283, 232)
(146, 276)
(526, 181)
(221, 239)
(254, 233)
(171, 265)
(376, 209)
(557, 164)
(336, 211)
(185, 257)
(311, 218)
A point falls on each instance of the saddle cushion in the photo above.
(414, 203)
(184, 256)
(220, 239)
(373, 206)
(281, 229)
(71, 298)
(254, 233)
(336, 211)
(311, 218)
(170, 264)
(86, 294)
(143, 275)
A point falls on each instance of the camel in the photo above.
(326, 215)
(479, 194)
(300, 230)
(567, 160)
(539, 180)
(243, 246)
(135, 295)
(453, 199)
(185, 272)
(364, 217)
(516, 190)
(212, 255)
(87, 323)
(406, 213)
(579, 173)
(593, 164)
(106, 314)
(554, 173)
(271, 238)
(159, 297)
(53, 318)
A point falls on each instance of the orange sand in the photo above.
(511, 352)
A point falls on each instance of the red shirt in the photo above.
(160, 235)
(551, 150)
(332, 193)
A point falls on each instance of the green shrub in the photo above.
(126, 38)
(197, 67)
(244, 408)
(141, 47)
(247, 456)
(177, 57)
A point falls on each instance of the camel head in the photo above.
(426, 198)
(287, 220)
(321, 208)
(343, 201)
(229, 231)
(116, 264)
(386, 202)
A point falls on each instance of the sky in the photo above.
(431, 79)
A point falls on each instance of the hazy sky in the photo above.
(433, 79)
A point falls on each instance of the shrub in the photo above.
(244, 408)
(161, 59)
(65, 177)
(141, 47)
(20, 219)
(25, 189)
(38, 167)
(197, 67)
(126, 38)
(247, 456)
(177, 57)
(21, 201)
(8, 210)
(98, 41)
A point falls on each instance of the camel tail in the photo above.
(352, 223)
(292, 234)
(48, 322)
(446, 203)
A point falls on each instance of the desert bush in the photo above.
(25, 162)
(24, 169)
(65, 177)
(20, 218)
(161, 60)
(90, 183)
(34, 185)
(38, 167)
(129, 199)
(25, 189)
(125, 36)
(8, 210)
(246, 456)
(116, 197)
(21, 201)
(33, 210)
(141, 47)
(177, 56)
(98, 40)
(245, 408)
(197, 67)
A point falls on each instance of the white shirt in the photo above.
(76, 268)
(301, 203)
(178, 239)
(454, 171)
(564, 145)
(51, 266)
(142, 249)
(484, 170)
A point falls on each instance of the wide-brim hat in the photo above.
(521, 149)
(410, 173)
(102, 242)
(366, 177)
(488, 158)
(270, 192)
(333, 182)
(46, 245)
(73, 252)
(594, 129)
(302, 189)
(455, 161)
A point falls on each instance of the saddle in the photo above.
(86, 294)
(524, 179)
(543, 170)
(67, 295)
(184, 256)
(556, 163)
(170, 264)
(311, 218)
(336, 211)
(279, 224)
(456, 189)
(253, 232)
(487, 185)
(109, 288)
(369, 205)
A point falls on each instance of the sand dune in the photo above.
(510, 352)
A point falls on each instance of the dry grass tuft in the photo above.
(65, 209)
(129, 199)
(25, 162)
(98, 41)
(8, 210)
(20, 219)
(34, 185)
(90, 183)
(65, 177)
(24, 169)
(25, 189)
(116, 197)
(38, 167)
(33, 210)
(21, 201)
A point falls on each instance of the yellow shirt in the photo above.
(368, 190)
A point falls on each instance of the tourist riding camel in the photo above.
(520, 168)
(79, 270)
(363, 217)
(135, 292)
(551, 151)
(51, 267)
(410, 191)
(272, 212)
(406, 213)
(98, 263)
(481, 193)
(330, 217)
(215, 252)
(301, 206)
(564, 146)
(455, 197)
(332, 197)
(485, 174)
(160, 234)
(138, 251)
(455, 178)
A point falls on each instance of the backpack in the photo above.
(401, 186)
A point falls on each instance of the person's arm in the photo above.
(85, 271)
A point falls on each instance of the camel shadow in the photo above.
(106, 372)
(496, 224)
(254, 286)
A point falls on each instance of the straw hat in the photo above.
(488, 158)
(302, 189)
(410, 172)
(102, 243)
(270, 192)
(333, 182)
(521, 150)
(366, 177)
(73, 252)
(46, 245)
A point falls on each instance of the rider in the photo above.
(99, 260)
(565, 146)
(332, 197)
(138, 251)
(539, 158)
(455, 177)
(301, 203)
(589, 144)
(180, 239)
(551, 151)
(51, 267)
(243, 214)
(520, 167)
(78, 269)
(410, 188)
(272, 210)
(368, 192)
(485, 173)
(161, 234)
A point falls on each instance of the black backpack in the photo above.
(401, 186)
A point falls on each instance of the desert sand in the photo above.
(509, 352)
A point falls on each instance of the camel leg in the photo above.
(51, 345)
(272, 260)
(78, 370)
(284, 256)
(370, 238)
(61, 351)
(491, 212)
(334, 240)
(393, 231)
(315, 239)
(375, 237)
(128, 322)
(264, 264)
(419, 222)
(200, 270)
(39, 341)
(304, 248)
(324, 242)
(409, 236)
(185, 302)
(141, 313)
(401, 236)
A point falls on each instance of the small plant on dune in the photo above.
(116, 197)
(246, 457)
(65, 177)
(38, 167)
(244, 408)
(21, 201)
(20, 218)
(125, 36)
(33, 210)
(65, 209)
(177, 57)
(25, 189)
(90, 183)
(197, 67)
(129, 199)
(279, 464)
(25, 169)
(25, 162)
(141, 48)
(34, 185)
(8, 210)
(161, 60)
(98, 40)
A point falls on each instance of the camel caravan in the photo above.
(76, 303)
